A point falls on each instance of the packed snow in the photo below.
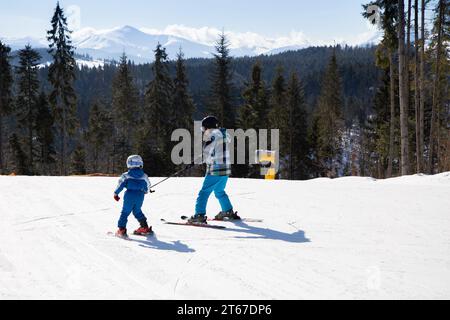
(349, 238)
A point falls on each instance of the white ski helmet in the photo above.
(135, 161)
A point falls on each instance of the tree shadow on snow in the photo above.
(152, 242)
(265, 233)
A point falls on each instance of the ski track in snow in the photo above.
(349, 238)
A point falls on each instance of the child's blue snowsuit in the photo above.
(137, 184)
(217, 157)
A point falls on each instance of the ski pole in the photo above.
(173, 175)
(176, 173)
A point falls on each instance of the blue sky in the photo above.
(317, 19)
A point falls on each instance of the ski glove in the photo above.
(116, 197)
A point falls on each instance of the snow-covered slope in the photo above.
(346, 238)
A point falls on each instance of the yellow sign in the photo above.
(267, 159)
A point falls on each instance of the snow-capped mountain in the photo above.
(139, 44)
(20, 43)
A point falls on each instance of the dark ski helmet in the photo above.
(210, 122)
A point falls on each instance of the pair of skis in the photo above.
(187, 224)
(204, 225)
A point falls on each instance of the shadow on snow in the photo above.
(152, 242)
(264, 233)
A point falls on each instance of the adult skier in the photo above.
(216, 155)
(137, 185)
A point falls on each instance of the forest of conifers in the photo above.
(376, 111)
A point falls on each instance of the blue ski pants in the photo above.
(132, 202)
(210, 184)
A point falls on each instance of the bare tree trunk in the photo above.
(416, 84)
(407, 60)
(61, 160)
(63, 143)
(30, 126)
(435, 106)
(422, 89)
(290, 143)
(392, 121)
(402, 84)
(95, 159)
(2, 168)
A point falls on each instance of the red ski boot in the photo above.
(122, 233)
(144, 230)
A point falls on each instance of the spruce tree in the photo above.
(278, 117)
(27, 100)
(125, 100)
(439, 50)
(297, 147)
(221, 104)
(61, 75)
(44, 128)
(154, 143)
(183, 105)
(378, 131)
(254, 95)
(78, 164)
(98, 133)
(403, 89)
(254, 112)
(423, 94)
(388, 49)
(330, 121)
(417, 113)
(6, 81)
(19, 161)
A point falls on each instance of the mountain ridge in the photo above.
(110, 44)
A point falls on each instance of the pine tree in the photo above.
(44, 128)
(6, 81)
(421, 149)
(439, 49)
(19, 159)
(79, 161)
(183, 105)
(125, 100)
(386, 57)
(254, 112)
(330, 122)
(403, 89)
(297, 147)
(154, 142)
(27, 99)
(417, 86)
(379, 127)
(61, 75)
(98, 133)
(221, 91)
(278, 116)
(251, 115)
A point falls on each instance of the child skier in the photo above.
(137, 184)
(218, 168)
